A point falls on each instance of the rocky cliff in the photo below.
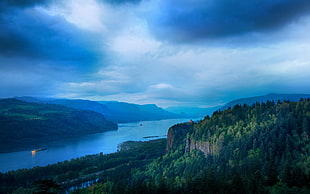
(178, 138)
(203, 146)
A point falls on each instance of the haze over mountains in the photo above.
(119, 112)
(200, 112)
(265, 98)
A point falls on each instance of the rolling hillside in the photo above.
(25, 124)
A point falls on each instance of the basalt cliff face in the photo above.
(178, 138)
(203, 146)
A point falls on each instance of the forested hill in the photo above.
(263, 148)
(25, 125)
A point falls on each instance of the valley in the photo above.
(259, 148)
(154, 97)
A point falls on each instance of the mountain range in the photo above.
(265, 98)
(28, 121)
(119, 112)
(201, 112)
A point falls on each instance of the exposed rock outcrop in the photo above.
(203, 146)
(177, 139)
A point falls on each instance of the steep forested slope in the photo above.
(25, 125)
(263, 148)
(248, 149)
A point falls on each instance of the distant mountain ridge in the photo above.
(119, 112)
(265, 98)
(201, 112)
(126, 112)
(122, 112)
(193, 111)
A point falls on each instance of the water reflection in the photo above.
(106, 142)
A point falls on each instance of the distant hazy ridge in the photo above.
(119, 112)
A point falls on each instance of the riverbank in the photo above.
(74, 173)
(106, 142)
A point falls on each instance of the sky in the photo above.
(167, 52)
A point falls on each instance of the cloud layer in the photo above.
(182, 20)
(34, 34)
(169, 52)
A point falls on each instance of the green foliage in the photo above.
(46, 186)
(263, 148)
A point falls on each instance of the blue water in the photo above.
(106, 142)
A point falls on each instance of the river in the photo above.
(106, 142)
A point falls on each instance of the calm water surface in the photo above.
(106, 142)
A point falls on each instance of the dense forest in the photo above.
(27, 125)
(262, 148)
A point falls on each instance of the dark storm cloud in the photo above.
(35, 35)
(183, 20)
(24, 3)
(39, 51)
(9, 5)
